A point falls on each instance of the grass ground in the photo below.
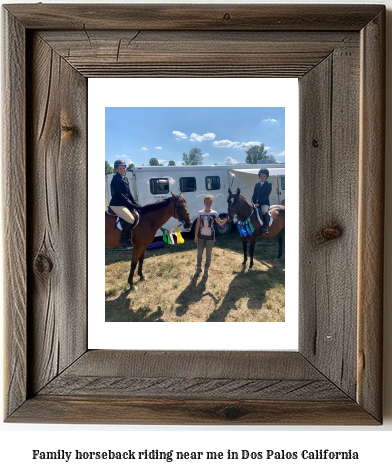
(171, 293)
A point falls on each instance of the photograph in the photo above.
(195, 222)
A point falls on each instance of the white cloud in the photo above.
(281, 154)
(179, 163)
(129, 161)
(161, 161)
(179, 135)
(225, 143)
(200, 138)
(205, 155)
(245, 146)
(122, 156)
(144, 148)
(158, 148)
(269, 120)
(230, 161)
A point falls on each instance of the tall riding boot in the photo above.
(126, 235)
(266, 219)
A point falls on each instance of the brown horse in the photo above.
(239, 206)
(152, 217)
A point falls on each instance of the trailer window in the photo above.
(283, 183)
(187, 185)
(212, 182)
(159, 186)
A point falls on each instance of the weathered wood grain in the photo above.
(103, 410)
(14, 225)
(371, 216)
(195, 17)
(196, 53)
(189, 387)
(206, 374)
(57, 214)
(205, 364)
(329, 137)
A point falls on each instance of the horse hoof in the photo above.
(133, 288)
(142, 278)
(250, 269)
(277, 259)
(243, 264)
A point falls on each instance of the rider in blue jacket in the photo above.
(260, 197)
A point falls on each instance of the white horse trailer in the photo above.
(152, 183)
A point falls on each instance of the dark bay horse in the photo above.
(152, 217)
(239, 206)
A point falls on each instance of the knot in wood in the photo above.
(327, 233)
(315, 143)
(233, 412)
(227, 16)
(68, 128)
(43, 264)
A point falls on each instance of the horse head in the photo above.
(234, 203)
(181, 208)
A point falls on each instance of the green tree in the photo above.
(153, 162)
(171, 163)
(108, 168)
(194, 157)
(256, 153)
(130, 167)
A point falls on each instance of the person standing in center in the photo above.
(205, 234)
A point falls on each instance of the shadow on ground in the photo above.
(121, 305)
(251, 285)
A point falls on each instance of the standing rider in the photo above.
(260, 197)
(122, 200)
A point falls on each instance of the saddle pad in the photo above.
(260, 221)
(118, 220)
(118, 224)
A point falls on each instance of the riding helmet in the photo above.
(264, 171)
(119, 163)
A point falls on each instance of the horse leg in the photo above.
(245, 247)
(140, 267)
(251, 250)
(279, 238)
(135, 257)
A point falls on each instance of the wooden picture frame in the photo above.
(338, 54)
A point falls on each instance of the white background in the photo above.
(373, 444)
(243, 92)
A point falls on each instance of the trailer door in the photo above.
(282, 186)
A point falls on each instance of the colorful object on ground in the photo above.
(176, 231)
(155, 245)
(245, 227)
(167, 236)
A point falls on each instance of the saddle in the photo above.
(122, 224)
(260, 216)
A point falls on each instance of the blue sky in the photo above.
(136, 134)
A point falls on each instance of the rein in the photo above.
(145, 214)
(180, 218)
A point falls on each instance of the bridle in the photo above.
(238, 208)
(180, 217)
